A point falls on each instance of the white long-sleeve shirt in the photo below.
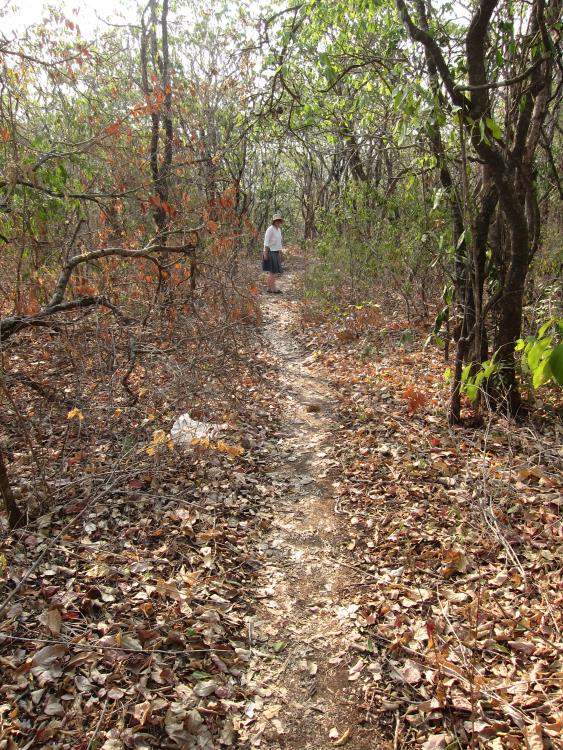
(273, 239)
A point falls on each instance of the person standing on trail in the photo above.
(272, 256)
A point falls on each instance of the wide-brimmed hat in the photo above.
(277, 217)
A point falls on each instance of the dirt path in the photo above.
(303, 639)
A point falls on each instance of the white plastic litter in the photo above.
(185, 429)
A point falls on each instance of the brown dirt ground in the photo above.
(305, 686)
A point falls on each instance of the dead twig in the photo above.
(397, 728)
(98, 725)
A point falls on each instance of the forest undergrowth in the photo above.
(127, 596)
(414, 150)
(122, 593)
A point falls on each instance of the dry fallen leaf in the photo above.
(435, 742)
(168, 590)
(454, 561)
(142, 711)
(411, 672)
(99, 570)
(52, 619)
(272, 712)
(53, 707)
(48, 654)
(206, 687)
(112, 744)
(343, 739)
(524, 647)
(278, 726)
(534, 736)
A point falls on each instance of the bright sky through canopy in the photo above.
(88, 14)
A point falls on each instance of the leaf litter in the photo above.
(135, 608)
(125, 605)
(455, 538)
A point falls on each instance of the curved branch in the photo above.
(44, 63)
(95, 197)
(475, 53)
(14, 324)
(420, 35)
(70, 265)
(508, 81)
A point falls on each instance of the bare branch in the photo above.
(95, 197)
(70, 265)
(508, 81)
(419, 35)
(14, 324)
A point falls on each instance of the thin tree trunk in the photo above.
(511, 169)
(511, 302)
(487, 203)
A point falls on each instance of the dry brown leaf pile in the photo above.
(455, 545)
(125, 603)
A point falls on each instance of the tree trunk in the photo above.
(510, 304)
(488, 199)
(508, 159)
(159, 112)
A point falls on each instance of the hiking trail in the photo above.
(302, 638)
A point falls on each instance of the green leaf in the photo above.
(545, 326)
(494, 128)
(440, 318)
(471, 391)
(482, 131)
(556, 364)
(465, 372)
(448, 295)
(488, 368)
(537, 353)
(520, 344)
(279, 646)
(530, 341)
(542, 374)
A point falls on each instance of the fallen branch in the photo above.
(11, 325)
(95, 645)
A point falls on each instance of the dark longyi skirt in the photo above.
(272, 263)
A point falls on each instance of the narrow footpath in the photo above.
(304, 644)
